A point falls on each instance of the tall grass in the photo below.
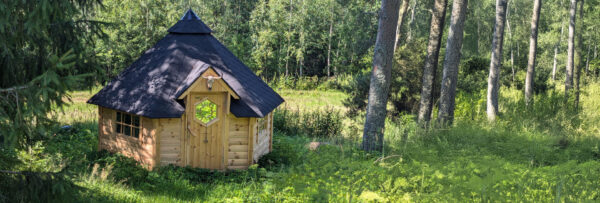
(317, 123)
(543, 153)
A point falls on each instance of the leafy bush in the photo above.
(473, 75)
(541, 83)
(315, 123)
(124, 169)
(357, 91)
(405, 85)
(28, 186)
(74, 143)
(595, 67)
(195, 175)
(286, 152)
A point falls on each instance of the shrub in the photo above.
(405, 85)
(315, 123)
(473, 75)
(285, 152)
(357, 90)
(195, 175)
(123, 168)
(27, 186)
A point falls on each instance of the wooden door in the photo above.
(205, 120)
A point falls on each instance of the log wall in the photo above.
(263, 137)
(141, 149)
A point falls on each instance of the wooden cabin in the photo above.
(187, 101)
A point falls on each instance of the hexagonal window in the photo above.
(206, 111)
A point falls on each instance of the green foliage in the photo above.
(26, 186)
(318, 123)
(132, 27)
(357, 93)
(124, 169)
(23, 122)
(30, 33)
(286, 152)
(405, 88)
(542, 81)
(595, 67)
(206, 111)
(545, 153)
(472, 75)
(39, 173)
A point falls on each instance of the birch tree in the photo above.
(555, 60)
(401, 16)
(529, 78)
(570, 48)
(579, 52)
(496, 60)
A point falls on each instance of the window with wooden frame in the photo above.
(128, 124)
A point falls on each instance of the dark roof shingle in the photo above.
(151, 85)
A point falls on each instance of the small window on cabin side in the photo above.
(206, 111)
(128, 124)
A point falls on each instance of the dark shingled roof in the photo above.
(151, 85)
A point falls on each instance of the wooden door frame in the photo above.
(223, 117)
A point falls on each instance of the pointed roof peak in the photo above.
(190, 15)
(190, 23)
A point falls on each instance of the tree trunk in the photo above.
(301, 65)
(380, 79)
(496, 60)
(287, 52)
(436, 32)
(587, 59)
(329, 47)
(579, 52)
(555, 62)
(410, 22)
(401, 16)
(512, 56)
(512, 63)
(530, 77)
(570, 48)
(451, 61)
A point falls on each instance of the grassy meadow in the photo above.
(543, 154)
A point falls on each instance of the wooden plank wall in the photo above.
(169, 147)
(263, 139)
(238, 156)
(141, 149)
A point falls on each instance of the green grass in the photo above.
(310, 99)
(540, 154)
